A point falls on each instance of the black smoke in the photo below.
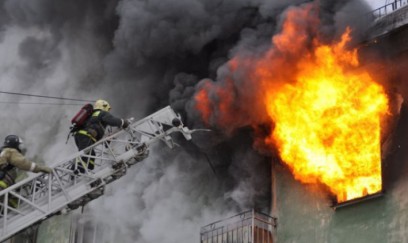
(142, 55)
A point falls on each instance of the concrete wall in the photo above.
(57, 229)
(390, 22)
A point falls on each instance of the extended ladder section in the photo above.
(71, 184)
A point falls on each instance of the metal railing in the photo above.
(246, 227)
(389, 8)
(388, 17)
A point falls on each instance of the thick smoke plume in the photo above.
(142, 56)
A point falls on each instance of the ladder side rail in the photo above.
(80, 154)
(53, 191)
(41, 206)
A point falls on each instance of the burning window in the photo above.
(327, 123)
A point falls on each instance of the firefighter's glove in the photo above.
(125, 123)
(44, 169)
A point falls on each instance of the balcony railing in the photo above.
(246, 227)
(389, 8)
(388, 17)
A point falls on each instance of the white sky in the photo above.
(376, 3)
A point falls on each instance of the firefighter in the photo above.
(11, 159)
(94, 130)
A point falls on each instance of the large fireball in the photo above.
(327, 123)
(325, 108)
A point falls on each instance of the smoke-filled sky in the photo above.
(142, 55)
(374, 4)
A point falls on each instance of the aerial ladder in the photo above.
(41, 196)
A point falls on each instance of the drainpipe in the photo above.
(253, 226)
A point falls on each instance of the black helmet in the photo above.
(14, 141)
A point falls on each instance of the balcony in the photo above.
(246, 227)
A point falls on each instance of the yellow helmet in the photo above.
(102, 105)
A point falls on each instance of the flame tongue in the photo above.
(327, 123)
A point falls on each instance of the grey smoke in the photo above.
(141, 56)
(336, 15)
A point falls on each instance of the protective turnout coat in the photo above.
(11, 160)
(99, 120)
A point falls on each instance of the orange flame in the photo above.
(325, 107)
(327, 123)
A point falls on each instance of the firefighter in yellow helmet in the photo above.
(11, 159)
(94, 130)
